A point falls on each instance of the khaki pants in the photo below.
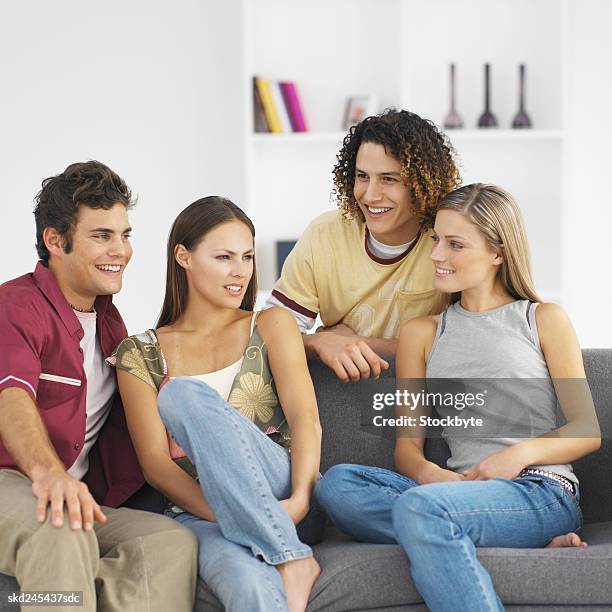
(136, 561)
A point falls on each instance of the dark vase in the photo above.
(521, 120)
(487, 119)
(453, 121)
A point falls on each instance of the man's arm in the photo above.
(24, 434)
(382, 346)
(385, 346)
(26, 439)
(350, 360)
(349, 357)
(297, 291)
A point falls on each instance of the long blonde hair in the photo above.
(498, 218)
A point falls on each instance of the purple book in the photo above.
(294, 108)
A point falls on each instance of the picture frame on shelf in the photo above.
(357, 108)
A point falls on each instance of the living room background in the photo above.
(162, 93)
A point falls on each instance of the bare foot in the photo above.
(298, 577)
(569, 539)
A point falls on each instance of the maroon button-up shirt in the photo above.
(40, 353)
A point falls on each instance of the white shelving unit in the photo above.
(399, 50)
(455, 135)
(461, 135)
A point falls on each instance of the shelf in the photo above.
(300, 137)
(454, 135)
(501, 134)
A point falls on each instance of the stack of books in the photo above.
(277, 107)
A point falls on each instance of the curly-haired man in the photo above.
(365, 268)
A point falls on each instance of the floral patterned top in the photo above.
(253, 392)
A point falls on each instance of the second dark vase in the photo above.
(487, 119)
(521, 120)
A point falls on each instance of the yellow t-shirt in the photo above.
(331, 272)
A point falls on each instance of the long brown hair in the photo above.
(498, 218)
(188, 229)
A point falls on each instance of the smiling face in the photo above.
(220, 268)
(461, 255)
(383, 197)
(100, 252)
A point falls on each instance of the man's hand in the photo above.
(434, 473)
(341, 329)
(297, 507)
(57, 487)
(348, 356)
(506, 464)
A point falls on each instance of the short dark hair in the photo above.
(88, 183)
(188, 229)
(425, 153)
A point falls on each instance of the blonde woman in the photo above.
(496, 491)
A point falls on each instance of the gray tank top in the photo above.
(501, 349)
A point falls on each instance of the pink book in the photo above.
(294, 107)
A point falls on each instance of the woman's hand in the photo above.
(431, 472)
(506, 464)
(297, 507)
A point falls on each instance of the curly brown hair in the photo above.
(425, 154)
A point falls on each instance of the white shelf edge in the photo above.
(454, 135)
(299, 137)
(504, 134)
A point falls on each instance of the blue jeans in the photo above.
(243, 474)
(440, 525)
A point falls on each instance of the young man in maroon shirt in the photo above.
(64, 447)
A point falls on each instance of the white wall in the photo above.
(150, 87)
(587, 235)
(156, 88)
(528, 166)
(469, 33)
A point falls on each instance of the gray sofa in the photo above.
(359, 576)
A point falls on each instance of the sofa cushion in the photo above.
(595, 471)
(357, 576)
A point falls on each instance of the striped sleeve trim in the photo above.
(18, 380)
(293, 305)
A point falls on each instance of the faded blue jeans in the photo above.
(243, 474)
(440, 525)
